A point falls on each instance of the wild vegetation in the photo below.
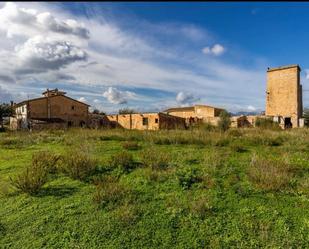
(199, 188)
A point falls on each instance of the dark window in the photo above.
(70, 123)
(22, 109)
(145, 121)
(156, 120)
(73, 107)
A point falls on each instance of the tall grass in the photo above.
(273, 175)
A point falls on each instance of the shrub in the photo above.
(78, 164)
(238, 148)
(224, 121)
(155, 159)
(35, 175)
(112, 138)
(235, 133)
(4, 188)
(127, 214)
(109, 192)
(277, 141)
(187, 176)
(130, 145)
(200, 207)
(222, 142)
(205, 126)
(48, 160)
(267, 123)
(122, 161)
(268, 174)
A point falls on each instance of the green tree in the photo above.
(224, 121)
(126, 111)
(6, 110)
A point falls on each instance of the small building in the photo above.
(147, 121)
(197, 113)
(54, 109)
(244, 121)
(284, 96)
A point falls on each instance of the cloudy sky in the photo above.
(150, 56)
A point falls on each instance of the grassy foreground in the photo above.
(184, 189)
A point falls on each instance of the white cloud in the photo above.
(185, 98)
(82, 99)
(115, 96)
(28, 22)
(41, 54)
(216, 50)
(251, 108)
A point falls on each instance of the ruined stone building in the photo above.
(284, 96)
(54, 109)
(197, 113)
(147, 121)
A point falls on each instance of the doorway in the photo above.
(287, 123)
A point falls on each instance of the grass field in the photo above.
(180, 189)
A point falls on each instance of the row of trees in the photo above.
(6, 110)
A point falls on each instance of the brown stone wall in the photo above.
(204, 111)
(283, 94)
(183, 114)
(154, 121)
(171, 122)
(59, 107)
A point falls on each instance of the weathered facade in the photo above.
(53, 107)
(244, 121)
(284, 95)
(146, 121)
(196, 113)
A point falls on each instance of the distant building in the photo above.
(197, 113)
(54, 109)
(284, 96)
(146, 121)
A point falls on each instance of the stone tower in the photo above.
(284, 95)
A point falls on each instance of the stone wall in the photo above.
(146, 121)
(283, 94)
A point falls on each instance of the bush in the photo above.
(48, 160)
(112, 138)
(238, 148)
(155, 159)
(109, 192)
(205, 126)
(78, 164)
(130, 145)
(200, 207)
(122, 161)
(277, 141)
(224, 121)
(187, 176)
(267, 123)
(269, 175)
(35, 176)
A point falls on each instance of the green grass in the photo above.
(214, 192)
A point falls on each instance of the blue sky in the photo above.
(150, 56)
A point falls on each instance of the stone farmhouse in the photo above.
(197, 113)
(53, 110)
(147, 121)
